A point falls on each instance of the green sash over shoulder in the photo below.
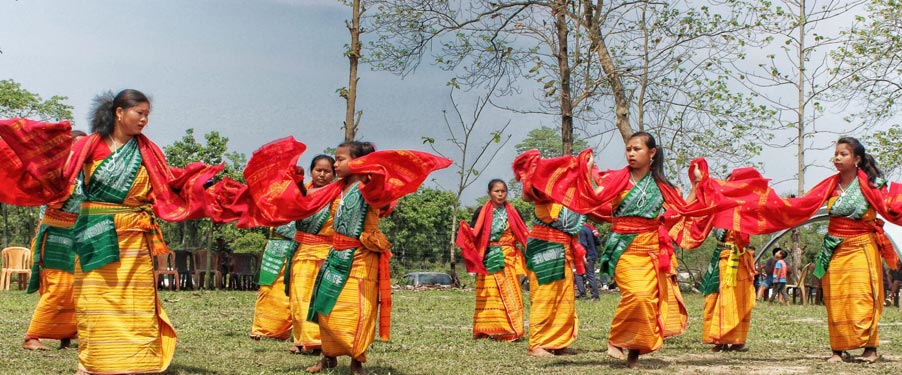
(711, 279)
(278, 247)
(643, 200)
(312, 225)
(547, 259)
(96, 242)
(851, 204)
(332, 276)
(494, 255)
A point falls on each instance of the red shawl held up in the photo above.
(273, 196)
(474, 242)
(41, 173)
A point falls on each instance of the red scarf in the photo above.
(178, 193)
(474, 242)
(272, 196)
(767, 212)
(43, 169)
(33, 154)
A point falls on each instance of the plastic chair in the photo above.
(800, 288)
(16, 261)
(243, 271)
(200, 268)
(184, 265)
(164, 265)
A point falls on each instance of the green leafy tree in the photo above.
(19, 223)
(548, 142)
(871, 66)
(870, 62)
(885, 146)
(418, 226)
(16, 101)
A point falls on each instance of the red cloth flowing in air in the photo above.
(275, 198)
(571, 181)
(768, 212)
(48, 169)
(33, 155)
(528, 171)
(474, 242)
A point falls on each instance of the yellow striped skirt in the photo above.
(122, 327)
(553, 323)
(499, 301)
(272, 315)
(304, 267)
(54, 316)
(351, 326)
(853, 293)
(651, 305)
(728, 313)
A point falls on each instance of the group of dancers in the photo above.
(648, 215)
(328, 261)
(106, 193)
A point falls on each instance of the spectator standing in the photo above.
(588, 237)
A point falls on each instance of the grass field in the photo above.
(431, 335)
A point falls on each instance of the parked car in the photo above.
(420, 279)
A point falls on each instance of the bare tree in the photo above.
(804, 32)
(471, 156)
(482, 41)
(352, 115)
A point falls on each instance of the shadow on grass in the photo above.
(177, 368)
(344, 369)
(644, 363)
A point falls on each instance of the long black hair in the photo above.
(103, 112)
(867, 163)
(657, 162)
(358, 149)
(319, 157)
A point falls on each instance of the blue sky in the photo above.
(255, 71)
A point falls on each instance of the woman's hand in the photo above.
(697, 176)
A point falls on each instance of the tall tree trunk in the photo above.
(800, 85)
(352, 118)
(563, 59)
(621, 103)
(640, 101)
(452, 260)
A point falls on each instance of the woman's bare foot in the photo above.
(869, 355)
(65, 343)
(718, 348)
(324, 362)
(836, 357)
(81, 372)
(357, 367)
(615, 352)
(539, 352)
(632, 359)
(294, 349)
(34, 344)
